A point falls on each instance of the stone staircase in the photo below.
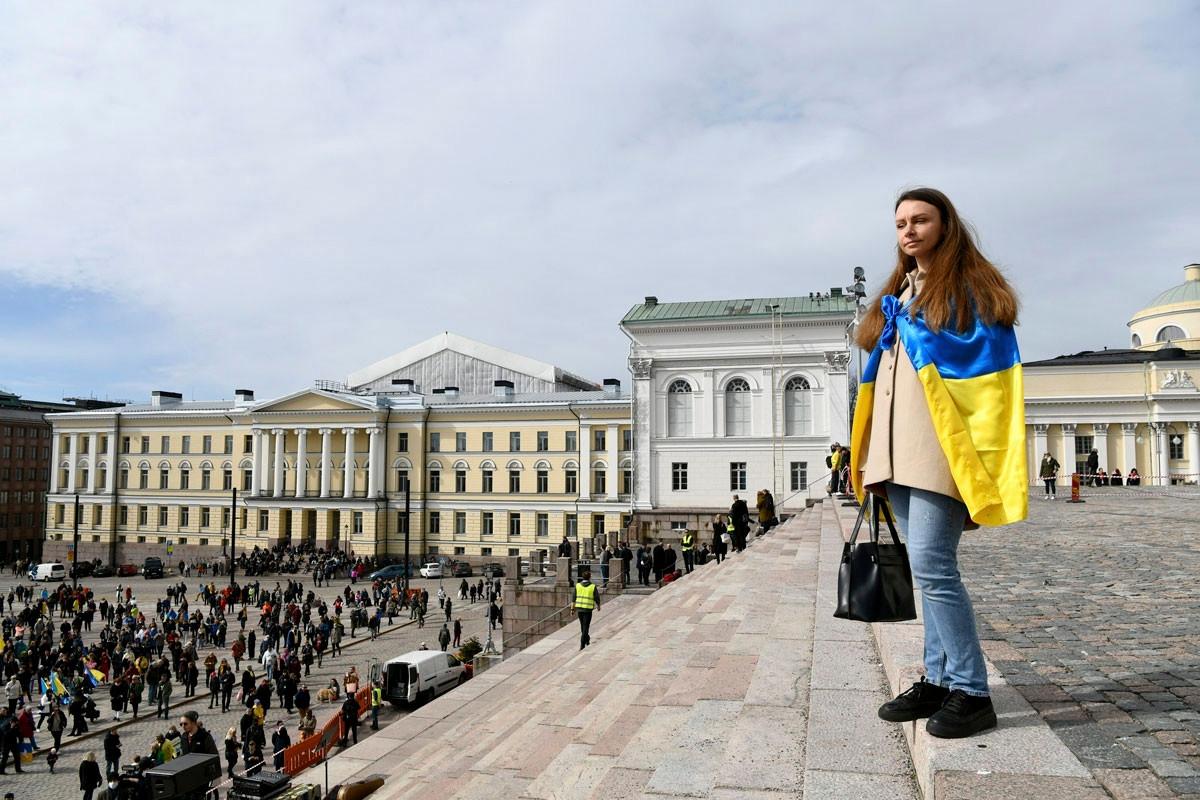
(733, 682)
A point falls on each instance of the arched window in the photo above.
(797, 401)
(737, 408)
(1170, 333)
(1137, 340)
(679, 409)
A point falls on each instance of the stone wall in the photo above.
(536, 608)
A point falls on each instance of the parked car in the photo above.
(103, 571)
(420, 676)
(83, 569)
(48, 572)
(126, 570)
(152, 567)
(432, 570)
(492, 570)
(462, 569)
(390, 571)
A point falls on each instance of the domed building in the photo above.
(1138, 408)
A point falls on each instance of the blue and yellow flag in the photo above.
(975, 389)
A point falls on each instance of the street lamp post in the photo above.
(407, 527)
(232, 535)
(75, 546)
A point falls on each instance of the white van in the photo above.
(48, 572)
(420, 676)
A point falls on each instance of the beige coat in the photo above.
(901, 445)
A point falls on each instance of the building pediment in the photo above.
(317, 400)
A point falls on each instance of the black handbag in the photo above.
(874, 579)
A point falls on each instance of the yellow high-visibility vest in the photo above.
(688, 541)
(585, 596)
(376, 697)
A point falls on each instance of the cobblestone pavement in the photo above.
(1092, 612)
(137, 737)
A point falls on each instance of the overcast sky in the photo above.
(216, 195)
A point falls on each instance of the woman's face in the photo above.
(918, 228)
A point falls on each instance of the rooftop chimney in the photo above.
(243, 397)
(439, 391)
(1191, 272)
(503, 389)
(403, 385)
(160, 398)
(451, 391)
(651, 300)
(612, 386)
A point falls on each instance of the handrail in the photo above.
(808, 489)
(540, 621)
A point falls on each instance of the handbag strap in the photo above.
(862, 511)
(883, 508)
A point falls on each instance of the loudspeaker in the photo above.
(184, 775)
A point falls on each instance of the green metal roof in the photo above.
(1186, 292)
(730, 309)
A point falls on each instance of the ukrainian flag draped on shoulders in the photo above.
(974, 386)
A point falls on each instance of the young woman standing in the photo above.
(939, 431)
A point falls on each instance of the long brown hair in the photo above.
(961, 283)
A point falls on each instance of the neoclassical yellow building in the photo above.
(1137, 407)
(502, 455)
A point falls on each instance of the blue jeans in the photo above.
(932, 525)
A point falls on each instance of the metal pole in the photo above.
(232, 534)
(407, 528)
(75, 545)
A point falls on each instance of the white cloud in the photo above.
(276, 192)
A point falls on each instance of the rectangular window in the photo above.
(435, 480)
(572, 481)
(460, 442)
(143, 515)
(229, 444)
(1176, 449)
(572, 443)
(487, 524)
(145, 444)
(460, 480)
(205, 480)
(597, 524)
(124, 444)
(248, 443)
(627, 439)
(626, 486)
(227, 479)
(514, 481)
(598, 439)
(358, 522)
(264, 519)
(206, 444)
(402, 442)
(460, 522)
(514, 441)
(186, 445)
(60, 513)
(185, 516)
(489, 442)
(435, 442)
(599, 482)
(144, 478)
(124, 515)
(486, 551)
(737, 476)
(97, 516)
(543, 481)
(164, 478)
(247, 479)
(162, 516)
(799, 475)
(83, 476)
(205, 516)
(401, 480)
(514, 524)
(543, 441)
(164, 445)
(460, 551)
(572, 526)
(435, 522)
(185, 479)
(225, 518)
(514, 551)
(401, 522)
(679, 476)
(487, 481)
(543, 524)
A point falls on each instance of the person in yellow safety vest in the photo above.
(587, 600)
(688, 546)
(376, 702)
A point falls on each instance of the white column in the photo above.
(93, 461)
(110, 476)
(256, 463)
(1160, 439)
(326, 436)
(372, 459)
(1129, 446)
(614, 458)
(55, 457)
(1068, 459)
(301, 457)
(1039, 449)
(1100, 442)
(72, 463)
(277, 471)
(348, 487)
(585, 462)
(1193, 451)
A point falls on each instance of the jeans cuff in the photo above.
(971, 692)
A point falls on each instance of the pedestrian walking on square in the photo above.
(688, 548)
(946, 311)
(739, 514)
(1048, 472)
(444, 637)
(587, 601)
(232, 747)
(89, 776)
(457, 632)
(112, 753)
(280, 741)
(350, 717)
(376, 702)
